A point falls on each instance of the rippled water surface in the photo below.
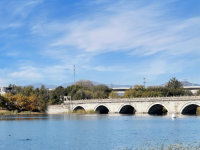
(96, 132)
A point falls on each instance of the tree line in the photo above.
(25, 98)
(83, 89)
(172, 88)
(28, 98)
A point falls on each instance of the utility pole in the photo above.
(192, 82)
(144, 82)
(74, 73)
(185, 82)
(147, 82)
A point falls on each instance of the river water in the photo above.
(95, 132)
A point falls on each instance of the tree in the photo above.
(100, 91)
(85, 83)
(100, 95)
(137, 91)
(79, 95)
(88, 94)
(57, 96)
(174, 83)
(27, 91)
(198, 93)
(36, 92)
(113, 94)
(42, 87)
(21, 101)
(3, 101)
(71, 90)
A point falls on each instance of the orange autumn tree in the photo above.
(11, 100)
(21, 101)
(32, 102)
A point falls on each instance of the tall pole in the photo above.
(185, 82)
(144, 82)
(147, 83)
(192, 82)
(74, 73)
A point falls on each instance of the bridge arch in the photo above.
(156, 107)
(102, 109)
(189, 108)
(78, 107)
(127, 109)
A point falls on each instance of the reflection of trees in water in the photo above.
(24, 117)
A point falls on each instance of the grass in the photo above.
(16, 112)
(198, 110)
(163, 146)
(82, 111)
(7, 112)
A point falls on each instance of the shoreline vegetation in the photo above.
(25, 99)
(78, 112)
(164, 146)
(16, 112)
(198, 111)
(82, 112)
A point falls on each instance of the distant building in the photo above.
(193, 89)
(121, 90)
(48, 89)
(4, 90)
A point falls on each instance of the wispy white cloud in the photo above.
(24, 8)
(13, 54)
(139, 30)
(134, 28)
(107, 69)
(27, 72)
(33, 74)
(159, 67)
(143, 31)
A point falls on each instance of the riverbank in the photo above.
(82, 112)
(16, 112)
(163, 146)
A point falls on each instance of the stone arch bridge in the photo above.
(153, 105)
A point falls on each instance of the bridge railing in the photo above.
(175, 98)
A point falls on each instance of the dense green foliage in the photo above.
(172, 88)
(198, 92)
(28, 98)
(78, 92)
(113, 94)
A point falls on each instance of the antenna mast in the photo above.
(144, 82)
(185, 82)
(74, 73)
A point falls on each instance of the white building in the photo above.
(4, 90)
(121, 90)
(193, 89)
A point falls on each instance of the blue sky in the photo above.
(109, 41)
